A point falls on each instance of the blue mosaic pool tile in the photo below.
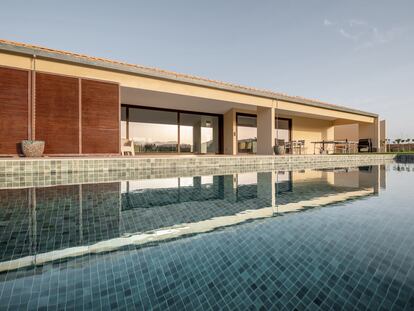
(357, 255)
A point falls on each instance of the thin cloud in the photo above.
(380, 37)
(363, 34)
(347, 35)
(356, 22)
(327, 22)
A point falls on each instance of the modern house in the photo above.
(81, 105)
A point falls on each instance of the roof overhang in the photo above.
(55, 55)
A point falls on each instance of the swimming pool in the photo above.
(339, 238)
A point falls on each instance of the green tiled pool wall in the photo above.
(18, 173)
(56, 165)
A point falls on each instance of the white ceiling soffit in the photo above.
(139, 97)
(287, 113)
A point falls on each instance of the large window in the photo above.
(153, 130)
(246, 133)
(283, 130)
(124, 123)
(199, 133)
(163, 131)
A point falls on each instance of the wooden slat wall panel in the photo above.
(57, 113)
(14, 96)
(100, 117)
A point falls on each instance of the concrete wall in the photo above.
(311, 130)
(347, 131)
(230, 132)
(265, 130)
(376, 131)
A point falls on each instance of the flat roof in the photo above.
(64, 56)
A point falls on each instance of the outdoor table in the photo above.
(323, 143)
(294, 145)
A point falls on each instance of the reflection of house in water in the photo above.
(78, 219)
(45, 219)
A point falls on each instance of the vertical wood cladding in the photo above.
(14, 97)
(69, 113)
(100, 117)
(57, 113)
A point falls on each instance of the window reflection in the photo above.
(198, 133)
(246, 134)
(153, 130)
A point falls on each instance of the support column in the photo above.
(383, 136)
(383, 176)
(265, 130)
(266, 189)
(230, 188)
(329, 135)
(370, 178)
(230, 132)
(197, 137)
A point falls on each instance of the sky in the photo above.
(359, 54)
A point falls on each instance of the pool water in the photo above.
(327, 239)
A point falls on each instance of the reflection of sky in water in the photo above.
(247, 178)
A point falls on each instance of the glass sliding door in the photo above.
(283, 130)
(153, 131)
(199, 133)
(246, 133)
(165, 131)
(124, 123)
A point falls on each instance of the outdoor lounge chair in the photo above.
(127, 147)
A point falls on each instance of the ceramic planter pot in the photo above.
(279, 150)
(33, 148)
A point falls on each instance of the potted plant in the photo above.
(33, 148)
(279, 150)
